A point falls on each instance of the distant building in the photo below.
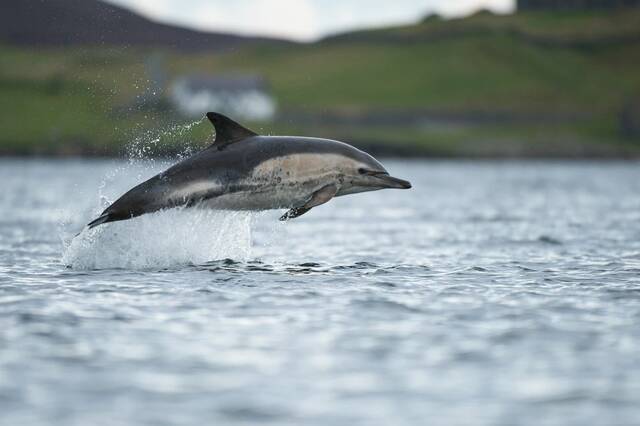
(242, 96)
(575, 4)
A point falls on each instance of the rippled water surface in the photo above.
(493, 293)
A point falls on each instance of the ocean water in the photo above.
(492, 293)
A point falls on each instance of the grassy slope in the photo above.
(63, 101)
(559, 25)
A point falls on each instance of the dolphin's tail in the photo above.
(103, 218)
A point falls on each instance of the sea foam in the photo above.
(162, 240)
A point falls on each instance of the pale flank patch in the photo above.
(306, 166)
(198, 187)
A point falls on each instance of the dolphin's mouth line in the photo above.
(384, 180)
(394, 182)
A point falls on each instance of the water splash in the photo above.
(141, 161)
(145, 144)
(164, 239)
(160, 240)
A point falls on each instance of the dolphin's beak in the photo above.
(393, 182)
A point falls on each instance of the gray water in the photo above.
(493, 293)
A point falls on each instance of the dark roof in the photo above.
(226, 82)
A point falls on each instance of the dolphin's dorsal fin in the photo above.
(227, 130)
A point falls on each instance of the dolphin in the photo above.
(242, 170)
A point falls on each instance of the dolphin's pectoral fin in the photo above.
(293, 213)
(321, 196)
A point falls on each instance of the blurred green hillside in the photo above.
(530, 84)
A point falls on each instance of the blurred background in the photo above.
(494, 292)
(473, 78)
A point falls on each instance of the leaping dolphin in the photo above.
(242, 170)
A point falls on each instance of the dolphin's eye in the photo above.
(363, 171)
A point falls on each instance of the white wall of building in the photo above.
(252, 105)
